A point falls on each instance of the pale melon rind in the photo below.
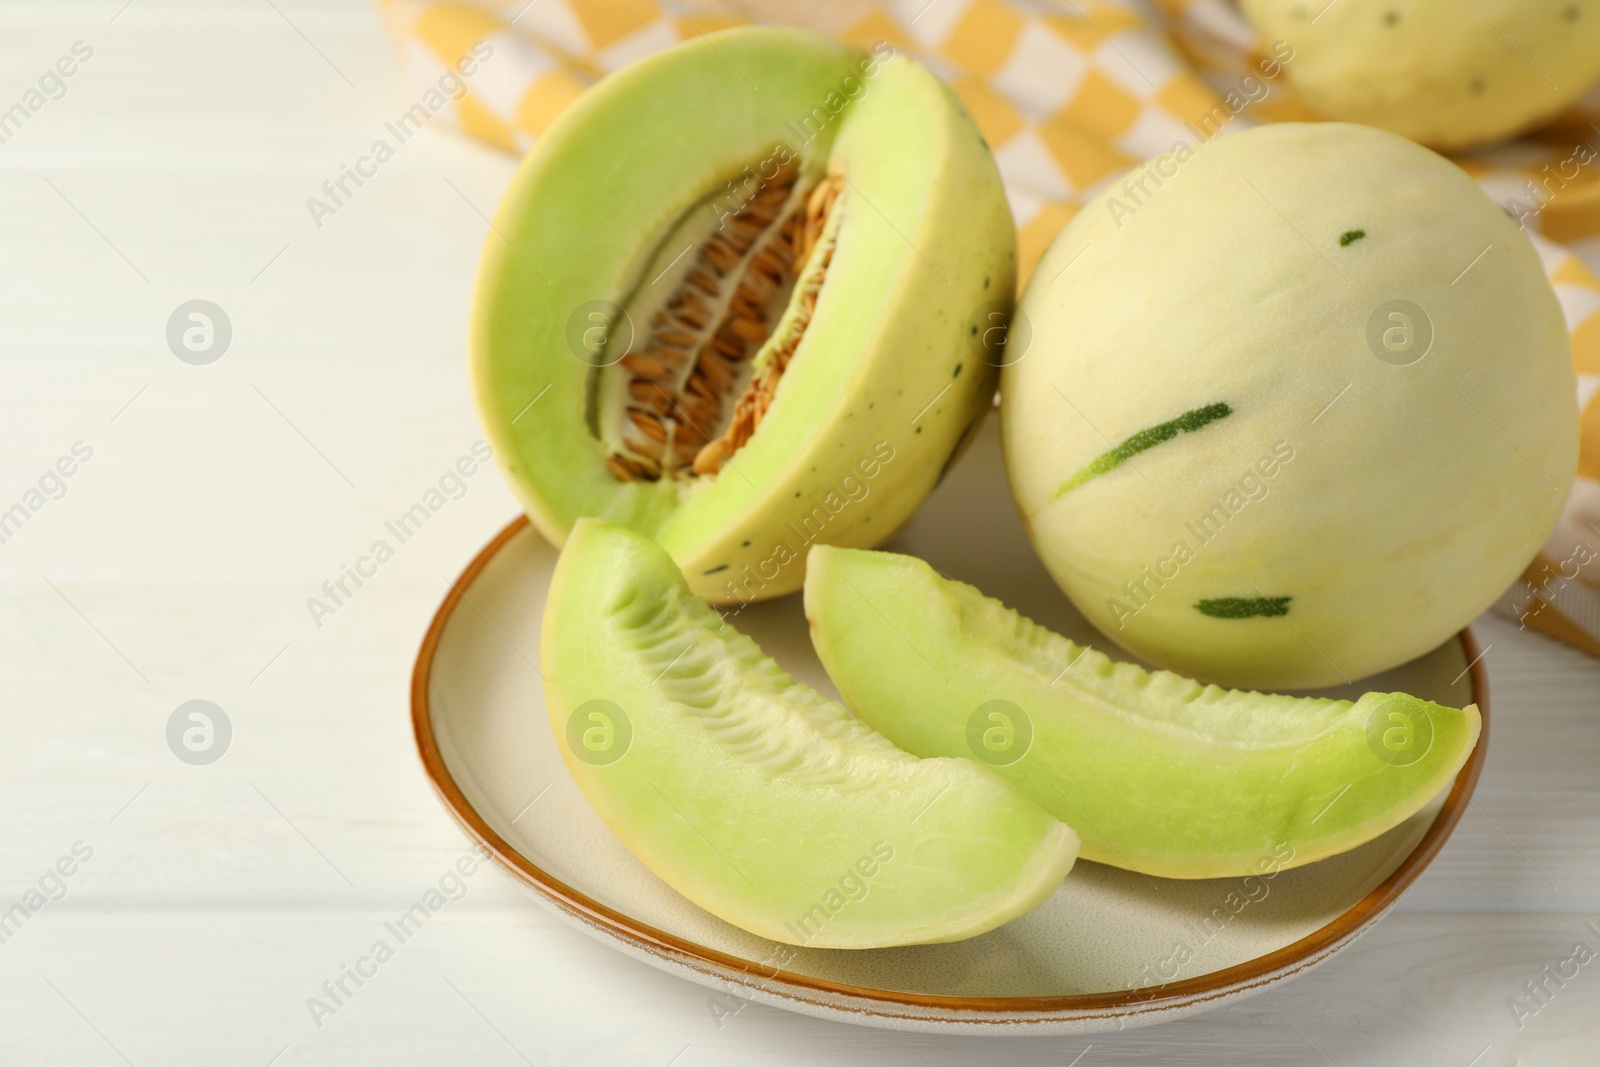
(885, 385)
(760, 800)
(1384, 498)
(1443, 72)
(1158, 773)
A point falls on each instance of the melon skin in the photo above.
(886, 384)
(1444, 73)
(755, 797)
(1381, 506)
(1158, 773)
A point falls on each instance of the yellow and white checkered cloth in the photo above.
(1069, 94)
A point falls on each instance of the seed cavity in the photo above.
(722, 325)
(1144, 440)
(1235, 607)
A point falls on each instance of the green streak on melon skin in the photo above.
(1105, 462)
(1238, 607)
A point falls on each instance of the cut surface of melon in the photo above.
(1157, 773)
(754, 796)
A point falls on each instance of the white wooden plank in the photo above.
(203, 986)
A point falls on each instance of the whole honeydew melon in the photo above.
(1448, 73)
(1157, 773)
(756, 797)
(1297, 408)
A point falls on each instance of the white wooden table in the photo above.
(219, 498)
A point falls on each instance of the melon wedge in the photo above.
(1157, 773)
(757, 798)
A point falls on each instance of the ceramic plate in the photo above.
(1110, 949)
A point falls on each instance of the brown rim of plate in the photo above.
(882, 1002)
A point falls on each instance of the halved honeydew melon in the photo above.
(757, 798)
(731, 300)
(1156, 772)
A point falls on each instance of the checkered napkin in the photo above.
(1069, 94)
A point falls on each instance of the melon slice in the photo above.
(754, 796)
(1158, 773)
(738, 298)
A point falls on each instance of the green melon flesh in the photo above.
(886, 383)
(1157, 773)
(757, 798)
